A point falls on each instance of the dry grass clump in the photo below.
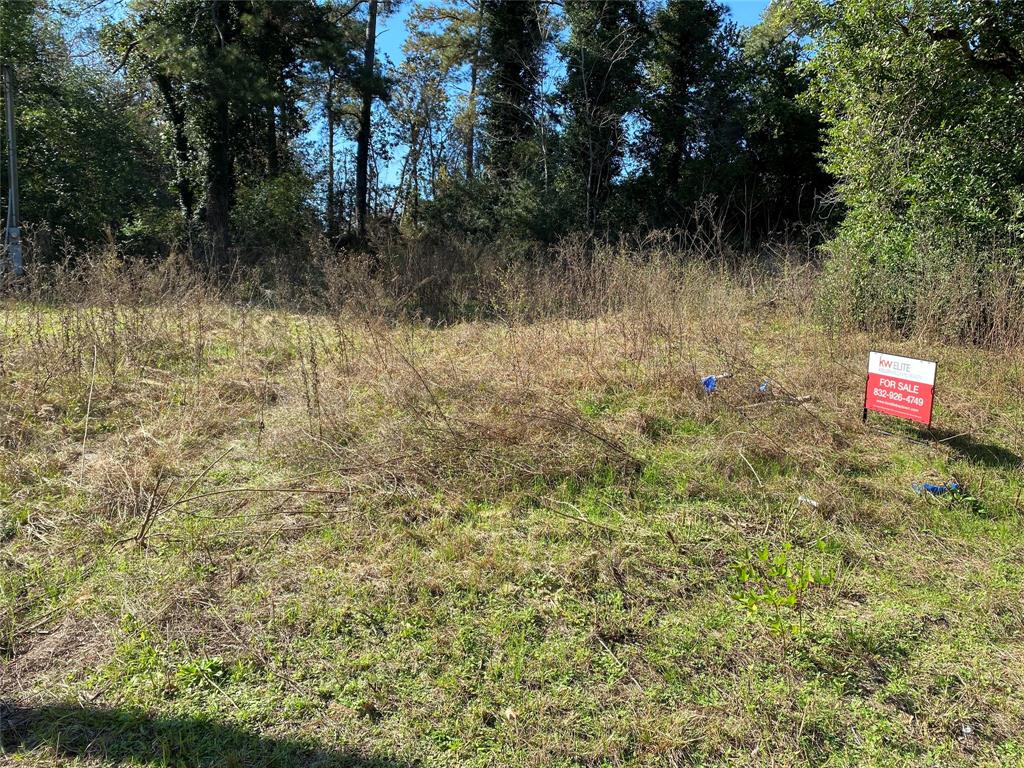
(952, 286)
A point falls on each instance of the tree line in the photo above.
(242, 125)
(240, 129)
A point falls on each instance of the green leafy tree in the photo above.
(446, 39)
(784, 183)
(514, 147)
(603, 57)
(513, 43)
(89, 158)
(922, 102)
(730, 140)
(686, 80)
(227, 75)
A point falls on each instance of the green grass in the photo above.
(519, 562)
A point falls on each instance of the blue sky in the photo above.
(746, 13)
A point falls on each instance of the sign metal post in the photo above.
(12, 231)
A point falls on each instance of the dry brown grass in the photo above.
(496, 526)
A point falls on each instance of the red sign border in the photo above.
(867, 383)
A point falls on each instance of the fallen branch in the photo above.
(577, 518)
(238, 490)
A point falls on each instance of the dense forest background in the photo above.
(885, 135)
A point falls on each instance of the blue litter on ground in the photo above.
(763, 386)
(936, 490)
(710, 383)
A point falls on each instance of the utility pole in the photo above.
(12, 233)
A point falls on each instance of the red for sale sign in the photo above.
(900, 387)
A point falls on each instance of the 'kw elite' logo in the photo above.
(892, 365)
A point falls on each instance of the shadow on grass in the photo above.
(134, 737)
(987, 454)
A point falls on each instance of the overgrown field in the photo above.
(234, 534)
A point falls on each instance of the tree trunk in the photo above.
(675, 166)
(220, 160)
(474, 73)
(471, 130)
(182, 148)
(332, 219)
(363, 139)
(220, 175)
(273, 160)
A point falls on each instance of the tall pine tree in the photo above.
(603, 57)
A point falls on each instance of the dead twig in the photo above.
(578, 518)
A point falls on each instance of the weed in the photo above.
(200, 673)
(773, 585)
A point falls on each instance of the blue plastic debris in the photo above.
(936, 490)
(710, 383)
(763, 387)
